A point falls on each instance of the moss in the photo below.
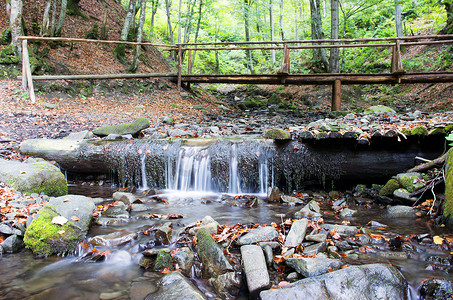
(274, 99)
(419, 130)
(391, 186)
(448, 128)
(406, 131)
(163, 261)
(436, 131)
(93, 34)
(277, 134)
(448, 204)
(120, 53)
(407, 182)
(8, 56)
(128, 128)
(242, 106)
(44, 238)
(73, 9)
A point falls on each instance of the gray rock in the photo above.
(137, 207)
(403, 194)
(211, 255)
(184, 258)
(175, 286)
(374, 281)
(71, 206)
(274, 194)
(103, 221)
(268, 254)
(255, 268)
(320, 237)
(208, 224)
(314, 249)
(163, 234)
(5, 229)
(227, 285)
(126, 198)
(377, 224)
(309, 267)
(140, 289)
(311, 210)
(85, 134)
(110, 295)
(380, 109)
(398, 255)
(346, 212)
(342, 229)
(260, 234)
(296, 233)
(123, 129)
(178, 133)
(12, 244)
(437, 288)
(113, 137)
(153, 252)
(291, 200)
(401, 211)
(117, 211)
(114, 239)
(33, 176)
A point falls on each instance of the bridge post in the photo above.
(336, 95)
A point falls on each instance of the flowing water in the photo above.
(197, 180)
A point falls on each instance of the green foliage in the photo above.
(93, 34)
(5, 37)
(450, 138)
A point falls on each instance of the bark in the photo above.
(45, 19)
(296, 21)
(141, 22)
(398, 21)
(200, 10)
(54, 18)
(15, 23)
(188, 28)
(282, 31)
(334, 52)
(154, 6)
(169, 28)
(448, 29)
(59, 28)
(271, 23)
(179, 22)
(128, 21)
(319, 54)
(247, 33)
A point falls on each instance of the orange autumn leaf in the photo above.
(282, 283)
(438, 240)
(165, 271)
(74, 218)
(344, 267)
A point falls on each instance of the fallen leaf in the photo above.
(282, 283)
(60, 220)
(165, 271)
(438, 240)
(60, 232)
(74, 218)
(65, 200)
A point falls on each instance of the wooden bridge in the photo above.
(396, 74)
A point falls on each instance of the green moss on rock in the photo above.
(277, 134)
(163, 261)
(122, 129)
(419, 130)
(436, 131)
(44, 238)
(391, 186)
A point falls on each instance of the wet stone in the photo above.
(314, 249)
(184, 257)
(309, 267)
(401, 211)
(341, 229)
(320, 237)
(259, 234)
(175, 287)
(437, 288)
(12, 244)
(103, 221)
(296, 233)
(117, 211)
(163, 234)
(114, 239)
(227, 285)
(139, 290)
(137, 207)
(255, 268)
(394, 255)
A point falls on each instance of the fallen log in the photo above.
(428, 165)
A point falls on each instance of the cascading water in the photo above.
(234, 185)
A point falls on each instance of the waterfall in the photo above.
(234, 184)
(143, 169)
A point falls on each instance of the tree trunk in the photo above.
(129, 18)
(319, 55)
(282, 31)
(154, 6)
(334, 52)
(54, 18)
(15, 23)
(247, 33)
(64, 4)
(398, 22)
(141, 21)
(271, 23)
(169, 28)
(188, 28)
(448, 29)
(45, 19)
(179, 22)
(296, 21)
(200, 9)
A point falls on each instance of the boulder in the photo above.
(309, 267)
(388, 189)
(208, 224)
(211, 255)
(175, 286)
(126, 198)
(140, 289)
(163, 261)
(410, 181)
(260, 234)
(437, 288)
(373, 281)
(277, 134)
(255, 268)
(46, 236)
(296, 233)
(227, 285)
(33, 176)
(12, 244)
(184, 257)
(291, 200)
(123, 129)
(341, 229)
(314, 249)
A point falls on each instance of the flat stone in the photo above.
(309, 267)
(401, 211)
(291, 200)
(260, 234)
(320, 237)
(114, 239)
(139, 290)
(123, 129)
(296, 233)
(126, 198)
(373, 281)
(175, 286)
(255, 268)
(12, 244)
(314, 249)
(341, 229)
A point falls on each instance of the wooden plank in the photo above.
(106, 76)
(189, 62)
(285, 62)
(336, 95)
(26, 62)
